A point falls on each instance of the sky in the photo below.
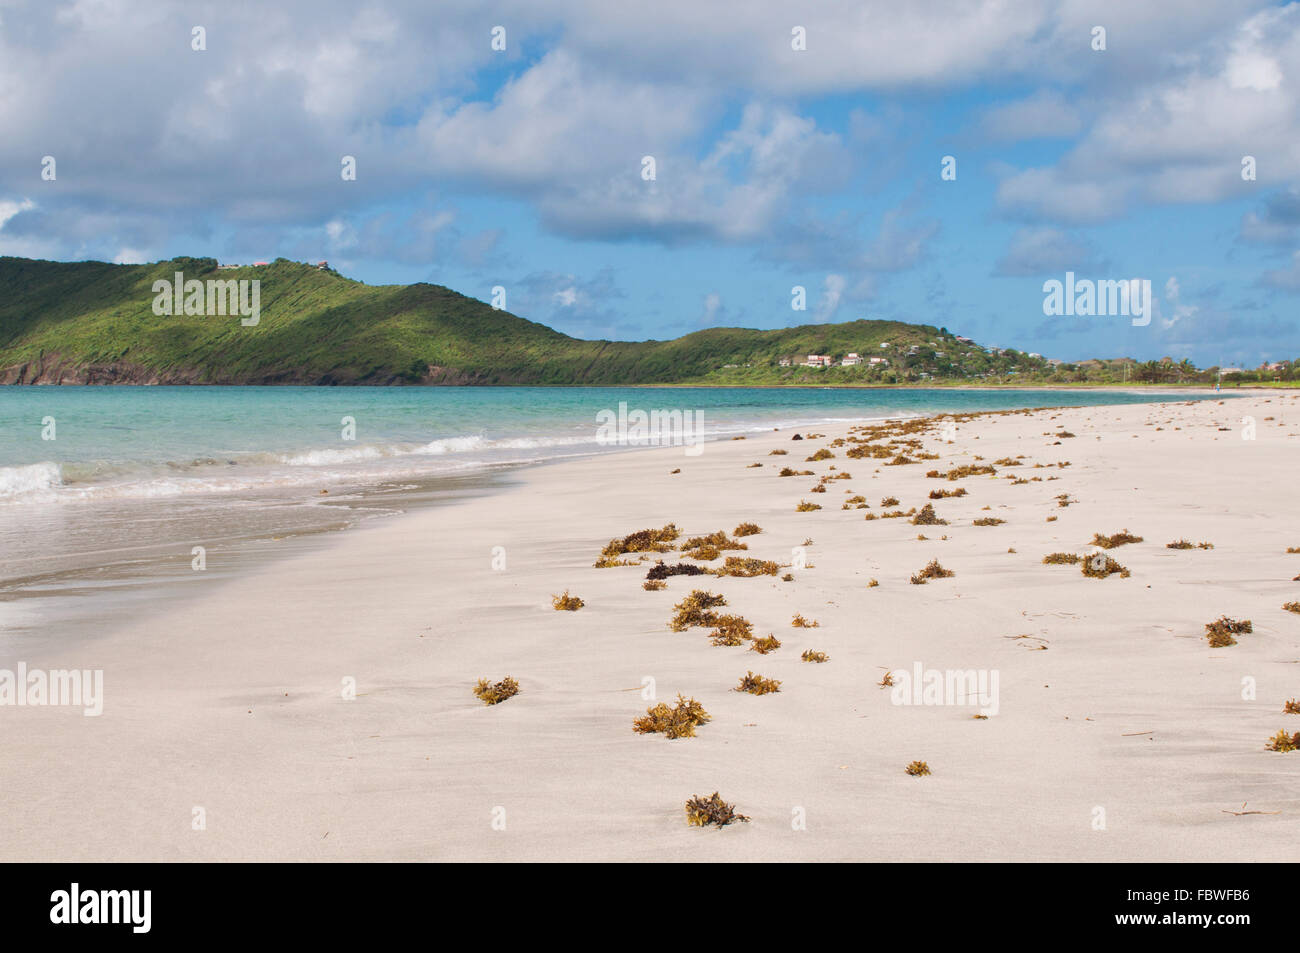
(632, 171)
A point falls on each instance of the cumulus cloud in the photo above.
(583, 307)
(1045, 114)
(799, 157)
(1040, 251)
(1165, 142)
(262, 117)
(1180, 310)
(752, 175)
(10, 208)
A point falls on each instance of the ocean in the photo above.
(109, 490)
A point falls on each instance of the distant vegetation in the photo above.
(92, 322)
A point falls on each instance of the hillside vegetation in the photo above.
(92, 322)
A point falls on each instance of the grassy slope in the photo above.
(317, 326)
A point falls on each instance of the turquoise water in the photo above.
(117, 443)
(101, 521)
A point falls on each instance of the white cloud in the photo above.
(8, 209)
(1039, 251)
(771, 159)
(262, 117)
(1181, 311)
(1181, 140)
(1043, 115)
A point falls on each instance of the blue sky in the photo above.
(775, 166)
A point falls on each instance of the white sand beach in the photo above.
(1120, 734)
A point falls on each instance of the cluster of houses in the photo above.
(852, 359)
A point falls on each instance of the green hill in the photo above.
(92, 322)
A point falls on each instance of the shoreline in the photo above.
(918, 385)
(352, 497)
(231, 703)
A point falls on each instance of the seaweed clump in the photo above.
(917, 769)
(661, 571)
(697, 609)
(731, 630)
(757, 684)
(928, 517)
(932, 570)
(493, 693)
(810, 656)
(703, 811)
(1284, 742)
(763, 646)
(944, 494)
(680, 721)
(609, 562)
(566, 602)
(642, 541)
(1100, 565)
(1119, 539)
(747, 529)
(966, 470)
(746, 567)
(715, 541)
(1222, 631)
